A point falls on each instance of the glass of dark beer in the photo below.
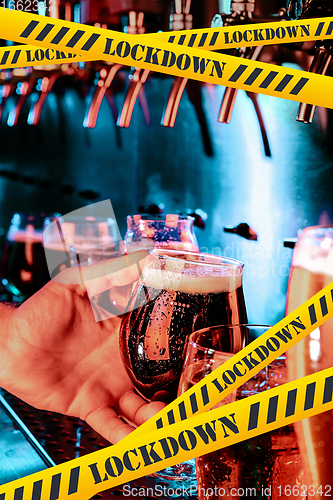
(178, 292)
(266, 466)
(23, 264)
(163, 231)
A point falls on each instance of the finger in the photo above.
(106, 422)
(136, 409)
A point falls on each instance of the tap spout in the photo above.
(319, 65)
(230, 94)
(171, 108)
(139, 77)
(26, 89)
(6, 91)
(102, 86)
(47, 86)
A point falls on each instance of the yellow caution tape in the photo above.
(148, 453)
(159, 56)
(207, 39)
(194, 431)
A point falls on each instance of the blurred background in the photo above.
(73, 135)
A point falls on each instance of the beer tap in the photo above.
(241, 11)
(24, 89)
(7, 89)
(298, 9)
(107, 76)
(138, 78)
(179, 20)
(46, 87)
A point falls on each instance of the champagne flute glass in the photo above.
(23, 264)
(164, 231)
(312, 270)
(266, 466)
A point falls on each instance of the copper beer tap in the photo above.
(181, 19)
(298, 9)
(138, 78)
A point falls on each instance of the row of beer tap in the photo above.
(40, 81)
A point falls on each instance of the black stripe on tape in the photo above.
(239, 71)
(329, 29)
(328, 390)
(319, 29)
(202, 39)
(90, 42)
(45, 31)
(171, 417)
(313, 316)
(254, 75)
(171, 38)
(272, 409)
(37, 490)
(75, 38)
(29, 29)
(204, 393)
(254, 414)
(268, 80)
(298, 87)
(181, 40)
(159, 424)
(291, 403)
(2, 496)
(192, 40)
(309, 396)
(332, 294)
(74, 481)
(194, 403)
(18, 495)
(16, 56)
(182, 411)
(284, 82)
(5, 57)
(214, 38)
(323, 305)
(55, 487)
(60, 35)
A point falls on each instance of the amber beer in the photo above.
(312, 270)
(183, 295)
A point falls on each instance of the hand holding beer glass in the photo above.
(312, 270)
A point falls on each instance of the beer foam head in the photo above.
(314, 251)
(186, 272)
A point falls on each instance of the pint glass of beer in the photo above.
(312, 270)
(266, 466)
(178, 292)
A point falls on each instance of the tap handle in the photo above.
(243, 229)
(289, 242)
